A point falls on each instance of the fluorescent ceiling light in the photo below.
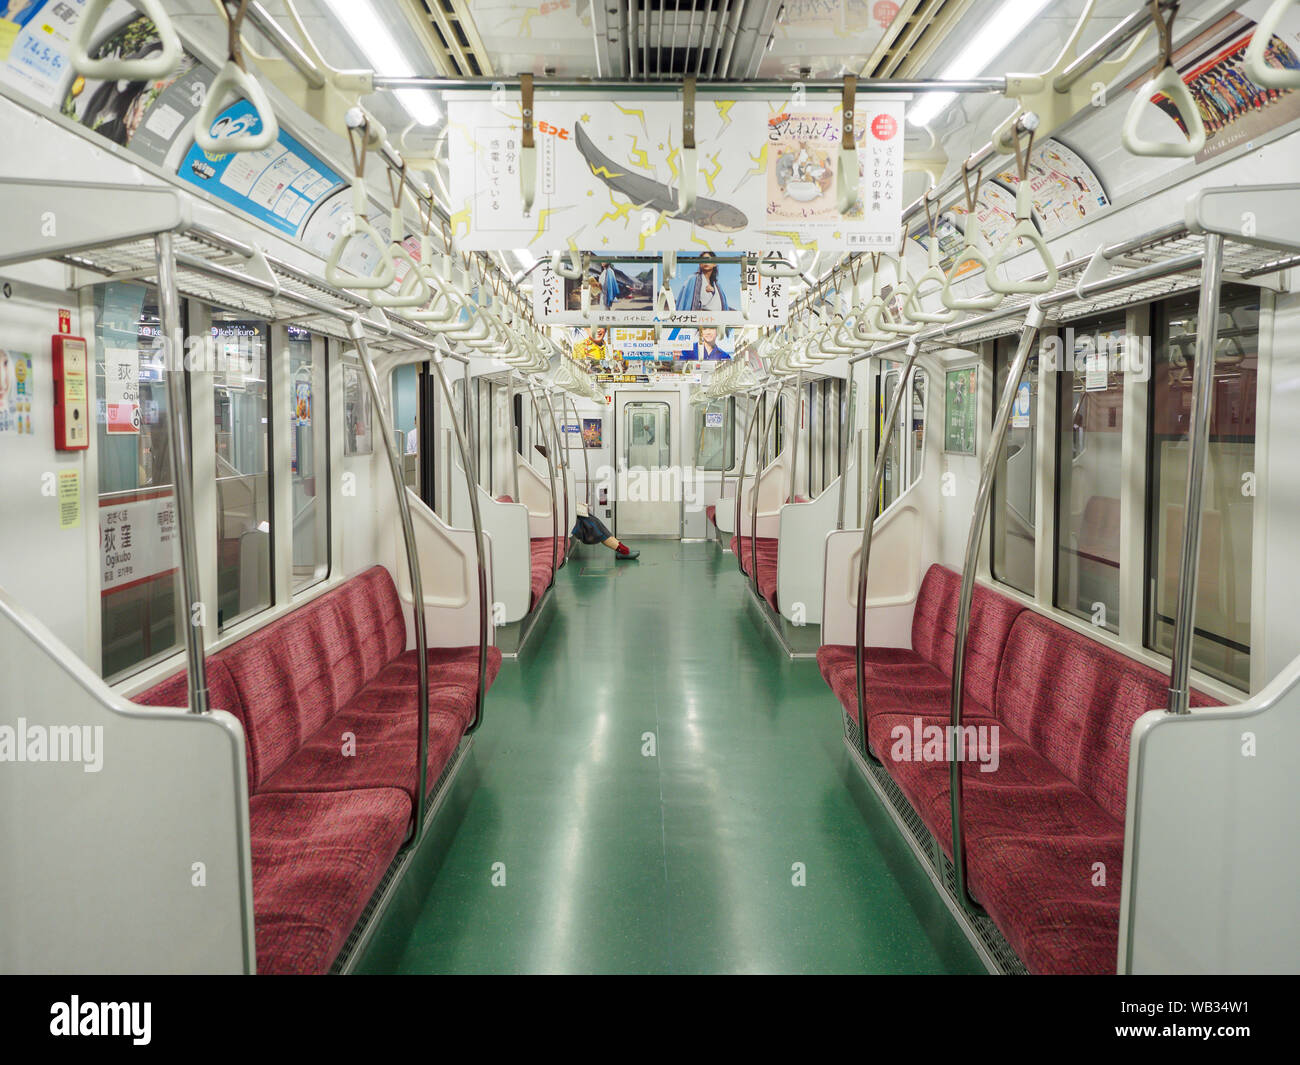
(365, 26)
(992, 39)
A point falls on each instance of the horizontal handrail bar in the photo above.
(836, 85)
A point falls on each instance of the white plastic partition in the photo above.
(131, 855)
(800, 566)
(535, 494)
(1210, 857)
(505, 526)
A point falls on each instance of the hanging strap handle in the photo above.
(235, 80)
(1258, 68)
(933, 276)
(690, 179)
(1024, 230)
(155, 67)
(1169, 83)
(358, 226)
(972, 251)
(528, 148)
(574, 269)
(903, 293)
(775, 265)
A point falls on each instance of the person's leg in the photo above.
(619, 548)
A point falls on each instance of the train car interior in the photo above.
(649, 487)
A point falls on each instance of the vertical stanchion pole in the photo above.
(480, 547)
(357, 332)
(1034, 318)
(178, 431)
(847, 418)
(1198, 441)
(550, 470)
(563, 459)
(586, 459)
(740, 481)
(516, 444)
(753, 496)
(868, 531)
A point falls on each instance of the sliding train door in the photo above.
(648, 497)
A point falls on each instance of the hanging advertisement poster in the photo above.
(279, 185)
(592, 429)
(769, 297)
(35, 39)
(959, 412)
(1022, 410)
(1234, 109)
(711, 345)
(610, 175)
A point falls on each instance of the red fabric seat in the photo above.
(328, 697)
(766, 552)
(541, 568)
(317, 860)
(1043, 798)
(711, 515)
(921, 677)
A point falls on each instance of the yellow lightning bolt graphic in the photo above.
(542, 216)
(795, 240)
(605, 172)
(525, 30)
(711, 175)
(461, 217)
(637, 156)
(638, 114)
(697, 240)
(621, 210)
(760, 166)
(724, 112)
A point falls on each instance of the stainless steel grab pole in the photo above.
(586, 459)
(740, 482)
(868, 531)
(848, 416)
(178, 432)
(563, 459)
(753, 496)
(357, 331)
(480, 545)
(1198, 439)
(550, 471)
(516, 443)
(1001, 423)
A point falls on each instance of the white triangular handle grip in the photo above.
(234, 81)
(867, 327)
(903, 328)
(444, 324)
(357, 226)
(848, 179)
(528, 177)
(664, 300)
(1258, 69)
(690, 179)
(152, 69)
(971, 252)
(1024, 230)
(414, 291)
(933, 276)
(1170, 84)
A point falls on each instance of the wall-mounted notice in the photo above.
(69, 488)
(16, 387)
(137, 539)
(1065, 190)
(959, 412)
(279, 185)
(35, 39)
(609, 176)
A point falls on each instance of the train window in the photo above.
(138, 556)
(309, 458)
(242, 418)
(356, 411)
(1221, 638)
(715, 435)
(484, 425)
(1012, 518)
(903, 462)
(406, 409)
(1090, 391)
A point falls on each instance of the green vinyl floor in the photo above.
(658, 789)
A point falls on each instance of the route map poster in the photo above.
(609, 176)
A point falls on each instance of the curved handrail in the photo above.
(358, 335)
(480, 546)
(868, 529)
(744, 463)
(151, 69)
(1024, 230)
(1257, 67)
(778, 397)
(1170, 83)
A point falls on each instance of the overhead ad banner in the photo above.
(608, 176)
(621, 289)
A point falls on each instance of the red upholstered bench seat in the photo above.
(542, 568)
(711, 515)
(766, 552)
(329, 700)
(1043, 825)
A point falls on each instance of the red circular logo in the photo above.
(885, 12)
(883, 127)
